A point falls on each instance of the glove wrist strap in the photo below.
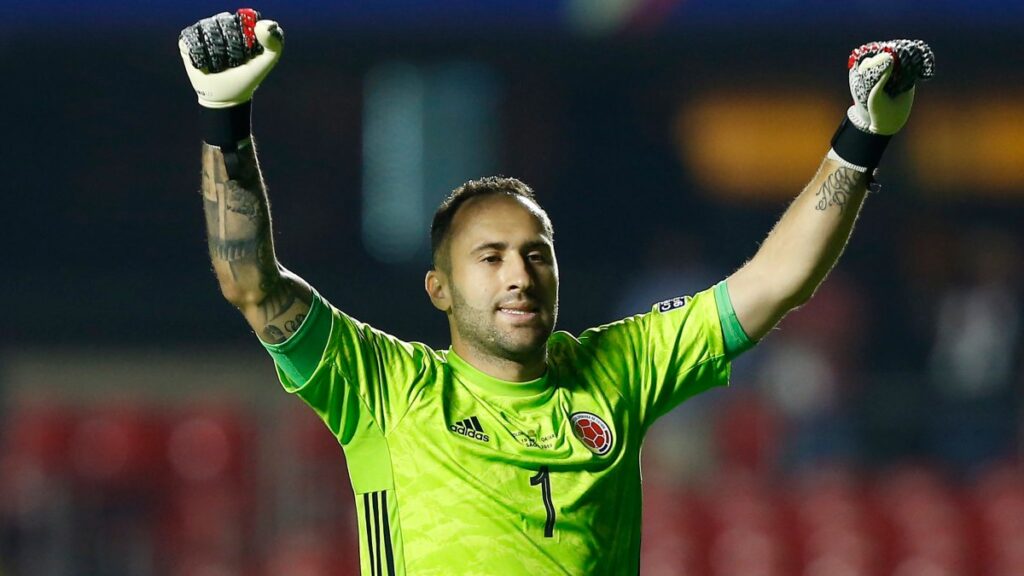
(226, 127)
(858, 148)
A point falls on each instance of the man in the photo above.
(515, 451)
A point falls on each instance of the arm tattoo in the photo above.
(239, 240)
(836, 189)
(237, 218)
(243, 202)
(277, 314)
(233, 250)
(273, 334)
(276, 332)
(293, 325)
(277, 303)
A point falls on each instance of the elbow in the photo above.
(795, 285)
(242, 286)
(791, 293)
(803, 293)
(237, 295)
(232, 293)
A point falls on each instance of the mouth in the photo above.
(520, 311)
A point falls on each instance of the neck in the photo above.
(504, 368)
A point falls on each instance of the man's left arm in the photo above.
(801, 249)
(806, 242)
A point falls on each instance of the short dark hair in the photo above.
(440, 227)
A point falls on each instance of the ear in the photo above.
(436, 284)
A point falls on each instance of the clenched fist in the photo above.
(227, 56)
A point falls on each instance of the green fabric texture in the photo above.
(736, 339)
(300, 354)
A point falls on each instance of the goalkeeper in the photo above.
(516, 450)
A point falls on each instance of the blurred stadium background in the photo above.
(877, 432)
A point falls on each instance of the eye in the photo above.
(537, 257)
(491, 259)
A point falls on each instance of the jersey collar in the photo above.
(493, 385)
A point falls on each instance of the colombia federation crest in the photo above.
(593, 432)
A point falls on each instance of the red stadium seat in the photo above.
(38, 435)
(926, 523)
(998, 497)
(748, 432)
(749, 523)
(34, 441)
(748, 550)
(675, 538)
(118, 447)
(310, 554)
(309, 469)
(834, 532)
(210, 444)
(210, 450)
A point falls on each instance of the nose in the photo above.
(518, 273)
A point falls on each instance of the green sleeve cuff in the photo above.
(736, 340)
(299, 355)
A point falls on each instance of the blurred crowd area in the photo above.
(877, 432)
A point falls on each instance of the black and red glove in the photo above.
(883, 79)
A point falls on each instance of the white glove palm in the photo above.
(882, 82)
(227, 56)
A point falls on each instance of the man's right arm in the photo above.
(273, 300)
(226, 56)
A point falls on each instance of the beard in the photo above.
(479, 329)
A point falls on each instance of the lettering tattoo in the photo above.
(273, 334)
(293, 325)
(836, 189)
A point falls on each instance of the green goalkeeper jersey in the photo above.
(459, 473)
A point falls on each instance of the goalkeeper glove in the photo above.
(882, 81)
(226, 57)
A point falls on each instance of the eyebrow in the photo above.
(502, 246)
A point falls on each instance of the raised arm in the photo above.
(226, 56)
(273, 300)
(799, 252)
(806, 242)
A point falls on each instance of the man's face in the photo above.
(503, 278)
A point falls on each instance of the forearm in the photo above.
(811, 235)
(800, 250)
(241, 248)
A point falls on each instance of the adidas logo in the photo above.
(470, 427)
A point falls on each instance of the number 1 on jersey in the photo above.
(544, 479)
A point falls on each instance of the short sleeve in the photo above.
(300, 354)
(735, 337)
(665, 356)
(363, 379)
